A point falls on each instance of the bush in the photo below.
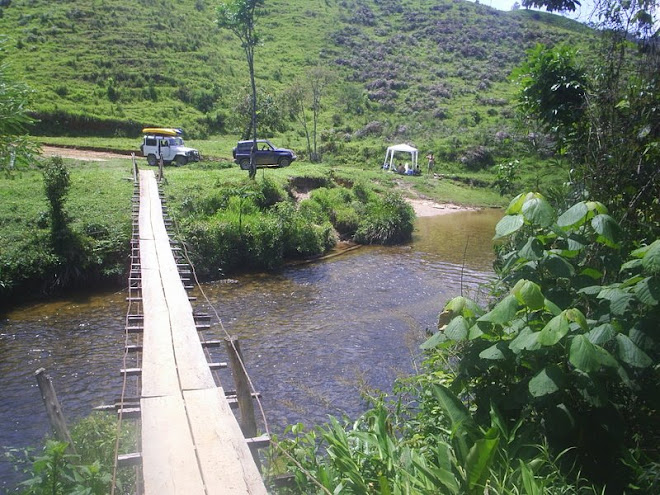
(569, 347)
(387, 220)
(302, 232)
(56, 472)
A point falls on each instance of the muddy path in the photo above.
(83, 154)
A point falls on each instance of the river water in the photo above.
(314, 336)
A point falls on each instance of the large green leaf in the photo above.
(529, 294)
(457, 329)
(554, 331)
(592, 290)
(459, 417)
(503, 312)
(558, 266)
(574, 314)
(588, 357)
(516, 204)
(547, 381)
(508, 225)
(435, 340)
(527, 340)
(551, 307)
(538, 212)
(630, 354)
(480, 457)
(651, 260)
(607, 228)
(602, 334)
(596, 206)
(532, 250)
(495, 352)
(575, 216)
(619, 299)
(648, 291)
(631, 265)
(592, 273)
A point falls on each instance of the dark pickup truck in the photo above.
(265, 155)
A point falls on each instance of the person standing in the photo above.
(431, 160)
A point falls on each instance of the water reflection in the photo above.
(313, 336)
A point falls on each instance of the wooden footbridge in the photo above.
(191, 442)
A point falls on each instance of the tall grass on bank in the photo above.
(257, 225)
(84, 240)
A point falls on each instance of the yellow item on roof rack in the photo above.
(162, 131)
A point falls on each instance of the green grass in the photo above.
(98, 208)
(431, 73)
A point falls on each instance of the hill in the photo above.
(431, 72)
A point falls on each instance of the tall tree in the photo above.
(296, 98)
(318, 78)
(607, 119)
(239, 17)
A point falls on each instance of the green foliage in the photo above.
(388, 220)
(56, 185)
(16, 150)
(571, 344)
(606, 119)
(435, 449)
(88, 472)
(553, 88)
(507, 174)
(256, 225)
(85, 240)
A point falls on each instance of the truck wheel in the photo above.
(284, 162)
(244, 163)
(151, 160)
(180, 160)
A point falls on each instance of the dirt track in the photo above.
(85, 155)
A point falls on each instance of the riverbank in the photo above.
(428, 208)
(351, 198)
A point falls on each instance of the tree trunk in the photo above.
(253, 165)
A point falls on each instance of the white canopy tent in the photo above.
(400, 148)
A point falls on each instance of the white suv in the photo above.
(170, 148)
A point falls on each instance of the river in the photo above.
(314, 336)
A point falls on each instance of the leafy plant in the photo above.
(571, 344)
(56, 472)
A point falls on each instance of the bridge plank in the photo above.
(169, 463)
(225, 459)
(159, 373)
(191, 441)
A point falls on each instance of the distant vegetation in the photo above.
(432, 73)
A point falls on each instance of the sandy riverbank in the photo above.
(428, 208)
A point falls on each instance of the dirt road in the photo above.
(85, 155)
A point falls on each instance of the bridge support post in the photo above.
(135, 167)
(243, 392)
(53, 408)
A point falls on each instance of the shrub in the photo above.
(569, 348)
(302, 232)
(56, 472)
(387, 220)
(270, 193)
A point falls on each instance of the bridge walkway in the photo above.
(191, 441)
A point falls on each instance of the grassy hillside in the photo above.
(432, 72)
